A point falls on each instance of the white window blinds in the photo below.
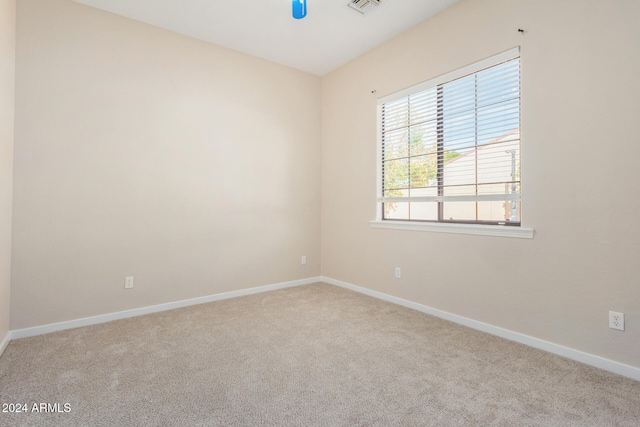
(450, 147)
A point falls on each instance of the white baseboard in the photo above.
(579, 356)
(94, 320)
(569, 353)
(5, 342)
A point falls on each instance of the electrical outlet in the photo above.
(616, 320)
(398, 273)
(128, 282)
(303, 260)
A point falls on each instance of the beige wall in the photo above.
(7, 78)
(580, 104)
(145, 153)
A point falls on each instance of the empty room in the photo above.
(319, 212)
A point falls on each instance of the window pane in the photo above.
(499, 162)
(396, 210)
(459, 190)
(395, 114)
(459, 211)
(496, 121)
(423, 106)
(499, 211)
(396, 174)
(461, 169)
(424, 211)
(499, 83)
(423, 171)
(424, 139)
(395, 144)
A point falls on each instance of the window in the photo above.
(450, 147)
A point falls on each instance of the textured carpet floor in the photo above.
(314, 355)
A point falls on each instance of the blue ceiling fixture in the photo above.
(299, 8)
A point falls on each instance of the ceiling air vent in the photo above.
(364, 7)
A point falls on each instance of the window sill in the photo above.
(482, 230)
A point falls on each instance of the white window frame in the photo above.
(442, 227)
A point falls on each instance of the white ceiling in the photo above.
(331, 35)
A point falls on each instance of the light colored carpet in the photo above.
(314, 355)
